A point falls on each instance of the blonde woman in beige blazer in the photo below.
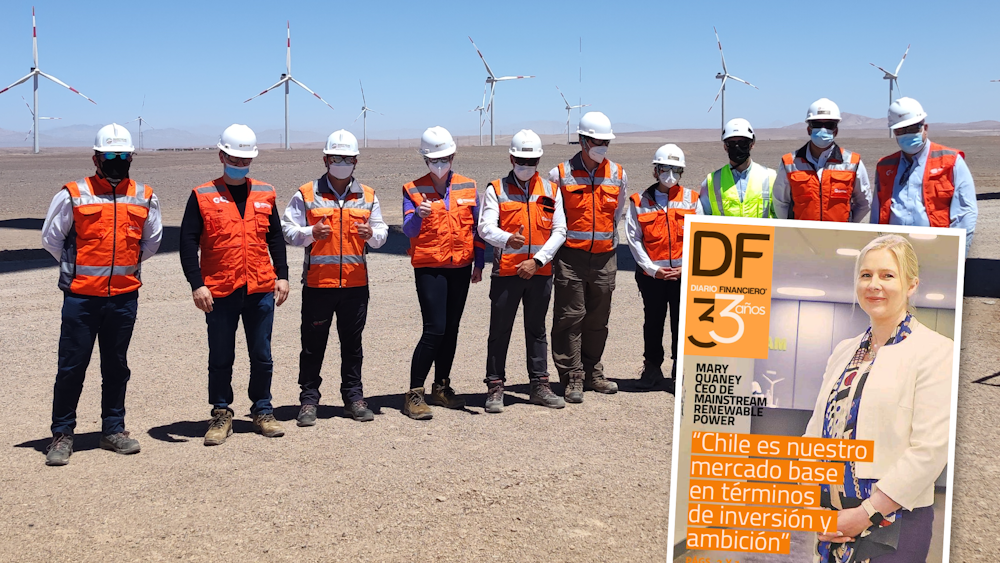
(891, 385)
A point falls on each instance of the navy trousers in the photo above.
(257, 312)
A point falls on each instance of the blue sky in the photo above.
(646, 63)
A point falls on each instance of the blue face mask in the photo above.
(822, 138)
(237, 172)
(910, 143)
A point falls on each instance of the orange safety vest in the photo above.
(338, 260)
(234, 249)
(534, 210)
(826, 200)
(101, 255)
(446, 235)
(590, 203)
(939, 184)
(663, 229)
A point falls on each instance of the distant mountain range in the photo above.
(852, 125)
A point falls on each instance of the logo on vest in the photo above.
(262, 205)
(466, 201)
(220, 199)
(937, 170)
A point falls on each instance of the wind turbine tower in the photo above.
(491, 81)
(724, 76)
(286, 79)
(481, 108)
(364, 112)
(141, 120)
(35, 73)
(33, 116)
(893, 77)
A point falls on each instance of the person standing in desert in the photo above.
(743, 187)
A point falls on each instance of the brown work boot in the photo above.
(541, 394)
(220, 427)
(414, 405)
(494, 397)
(574, 388)
(443, 395)
(600, 384)
(267, 425)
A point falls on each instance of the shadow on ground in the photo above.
(81, 442)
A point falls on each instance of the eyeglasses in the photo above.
(114, 155)
(915, 128)
(661, 168)
(237, 161)
(526, 161)
(739, 143)
(597, 142)
(440, 160)
(338, 158)
(829, 125)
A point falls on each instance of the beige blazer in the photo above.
(904, 408)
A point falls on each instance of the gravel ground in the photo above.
(586, 483)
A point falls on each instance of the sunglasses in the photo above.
(114, 155)
(441, 160)
(338, 159)
(661, 168)
(915, 128)
(597, 142)
(526, 161)
(742, 143)
(829, 125)
(237, 161)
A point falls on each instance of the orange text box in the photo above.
(782, 446)
(778, 470)
(773, 494)
(759, 517)
(739, 540)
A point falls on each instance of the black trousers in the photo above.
(657, 297)
(441, 293)
(319, 305)
(506, 295)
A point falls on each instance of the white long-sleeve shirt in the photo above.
(861, 198)
(633, 232)
(489, 224)
(59, 223)
(298, 231)
(622, 197)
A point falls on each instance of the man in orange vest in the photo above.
(233, 221)
(655, 230)
(594, 195)
(440, 211)
(100, 229)
(822, 181)
(523, 219)
(924, 184)
(334, 217)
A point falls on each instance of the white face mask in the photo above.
(668, 179)
(524, 173)
(597, 153)
(439, 169)
(341, 171)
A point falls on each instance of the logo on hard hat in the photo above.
(242, 145)
(673, 157)
(823, 112)
(114, 141)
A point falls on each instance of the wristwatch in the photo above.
(874, 515)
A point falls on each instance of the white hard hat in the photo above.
(671, 155)
(526, 144)
(823, 109)
(113, 138)
(436, 142)
(596, 125)
(342, 143)
(239, 141)
(905, 112)
(738, 127)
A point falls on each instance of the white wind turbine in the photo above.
(569, 110)
(286, 78)
(364, 112)
(724, 76)
(141, 120)
(481, 108)
(34, 74)
(771, 402)
(33, 115)
(893, 77)
(491, 81)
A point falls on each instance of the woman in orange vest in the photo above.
(233, 221)
(100, 229)
(655, 229)
(440, 212)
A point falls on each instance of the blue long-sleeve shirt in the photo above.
(412, 221)
(907, 207)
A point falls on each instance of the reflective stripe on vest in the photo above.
(338, 260)
(938, 184)
(532, 210)
(821, 199)
(663, 228)
(590, 203)
(446, 235)
(92, 262)
(234, 250)
(726, 201)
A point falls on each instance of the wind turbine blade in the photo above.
(493, 89)
(563, 97)
(483, 58)
(363, 100)
(513, 77)
(49, 118)
(63, 84)
(358, 117)
(28, 135)
(310, 91)
(724, 78)
(279, 83)
(126, 123)
(723, 55)
(29, 107)
(21, 81)
(288, 52)
(34, 38)
(483, 103)
(143, 103)
(882, 69)
(743, 81)
(901, 61)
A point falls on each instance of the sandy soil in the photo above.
(587, 483)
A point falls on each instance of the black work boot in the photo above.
(650, 377)
(307, 416)
(541, 394)
(494, 397)
(59, 450)
(358, 410)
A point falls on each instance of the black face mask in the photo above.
(738, 152)
(115, 169)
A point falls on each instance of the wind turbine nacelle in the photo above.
(720, 76)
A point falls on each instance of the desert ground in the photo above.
(587, 483)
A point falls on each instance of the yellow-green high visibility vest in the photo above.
(725, 199)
